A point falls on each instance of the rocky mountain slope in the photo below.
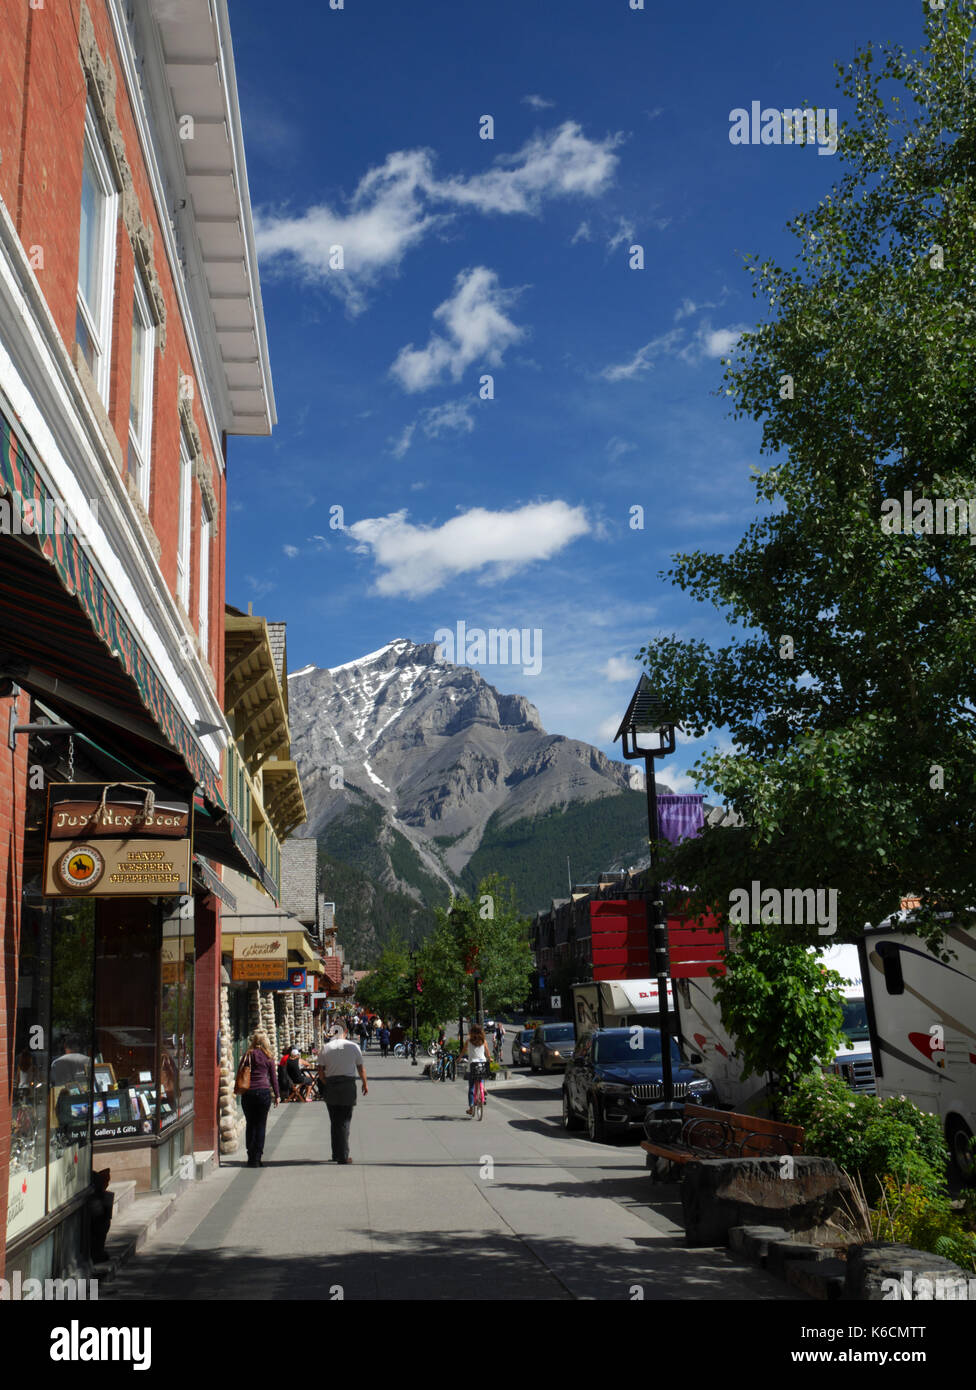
(423, 776)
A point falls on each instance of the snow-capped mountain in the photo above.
(398, 746)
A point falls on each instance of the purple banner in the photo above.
(680, 817)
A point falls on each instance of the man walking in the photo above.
(339, 1061)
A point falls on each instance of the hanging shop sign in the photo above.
(260, 958)
(116, 839)
(296, 979)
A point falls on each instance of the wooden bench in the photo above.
(709, 1133)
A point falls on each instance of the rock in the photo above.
(823, 1279)
(880, 1272)
(753, 1241)
(720, 1193)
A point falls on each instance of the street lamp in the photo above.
(647, 732)
(413, 1001)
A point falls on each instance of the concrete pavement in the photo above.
(435, 1206)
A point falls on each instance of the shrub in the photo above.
(910, 1214)
(868, 1136)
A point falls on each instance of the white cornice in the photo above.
(147, 144)
(223, 314)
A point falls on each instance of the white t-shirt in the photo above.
(477, 1052)
(340, 1058)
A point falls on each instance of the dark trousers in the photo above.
(341, 1118)
(255, 1105)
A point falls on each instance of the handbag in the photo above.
(242, 1081)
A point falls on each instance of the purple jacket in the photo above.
(264, 1073)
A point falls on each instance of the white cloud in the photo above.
(417, 560)
(641, 361)
(400, 202)
(537, 103)
(400, 446)
(452, 415)
(618, 668)
(477, 327)
(712, 342)
(582, 233)
(678, 781)
(291, 551)
(624, 234)
(616, 448)
(689, 306)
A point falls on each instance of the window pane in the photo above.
(137, 388)
(91, 213)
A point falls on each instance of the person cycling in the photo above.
(499, 1040)
(476, 1046)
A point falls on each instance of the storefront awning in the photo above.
(72, 635)
(219, 835)
(210, 881)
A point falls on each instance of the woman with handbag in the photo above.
(257, 1083)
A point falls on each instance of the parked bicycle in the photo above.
(444, 1066)
(405, 1049)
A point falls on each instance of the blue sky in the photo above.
(465, 256)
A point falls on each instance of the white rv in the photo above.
(854, 1063)
(922, 1013)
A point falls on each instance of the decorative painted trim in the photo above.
(100, 76)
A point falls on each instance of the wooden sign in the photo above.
(116, 839)
(260, 958)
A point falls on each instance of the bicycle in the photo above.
(404, 1049)
(444, 1067)
(496, 1051)
(478, 1097)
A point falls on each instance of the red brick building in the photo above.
(132, 344)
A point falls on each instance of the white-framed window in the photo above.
(96, 257)
(141, 390)
(183, 541)
(203, 604)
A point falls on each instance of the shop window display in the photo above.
(143, 1070)
(126, 1019)
(50, 1160)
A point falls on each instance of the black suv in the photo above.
(613, 1076)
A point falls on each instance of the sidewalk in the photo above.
(435, 1206)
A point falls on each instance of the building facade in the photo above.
(132, 344)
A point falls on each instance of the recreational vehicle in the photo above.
(922, 1013)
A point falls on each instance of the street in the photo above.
(435, 1206)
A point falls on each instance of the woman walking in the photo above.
(256, 1100)
(476, 1046)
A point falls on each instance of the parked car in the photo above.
(551, 1046)
(520, 1047)
(615, 1074)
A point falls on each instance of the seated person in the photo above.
(298, 1078)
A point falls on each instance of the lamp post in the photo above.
(646, 732)
(413, 1002)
